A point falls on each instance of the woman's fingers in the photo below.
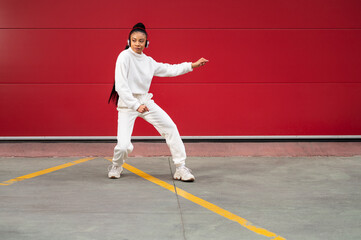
(142, 109)
(145, 109)
(200, 62)
(203, 61)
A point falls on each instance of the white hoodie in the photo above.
(134, 73)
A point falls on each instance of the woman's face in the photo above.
(137, 42)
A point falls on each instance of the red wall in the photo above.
(281, 67)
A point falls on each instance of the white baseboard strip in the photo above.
(268, 137)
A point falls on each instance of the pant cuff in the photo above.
(178, 165)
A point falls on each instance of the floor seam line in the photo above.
(178, 202)
(203, 203)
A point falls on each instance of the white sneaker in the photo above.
(114, 171)
(184, 174)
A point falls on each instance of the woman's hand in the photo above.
(200, 62)
(142, 109)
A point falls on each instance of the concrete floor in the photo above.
(293, 197)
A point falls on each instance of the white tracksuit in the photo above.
(133, 76)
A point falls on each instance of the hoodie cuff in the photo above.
(190, 67)
(136, 106)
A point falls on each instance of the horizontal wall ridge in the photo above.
(148, 29)
(187, 83)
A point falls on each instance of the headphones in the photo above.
(146, 43)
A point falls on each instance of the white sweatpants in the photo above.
(155, 116)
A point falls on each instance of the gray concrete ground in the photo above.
(294, 197)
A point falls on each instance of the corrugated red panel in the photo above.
(276, 67)
(269, 56)
(181, 14)
(197, 109)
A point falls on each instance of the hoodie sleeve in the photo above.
(171, 70)
(121, 83)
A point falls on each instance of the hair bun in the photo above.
(139, 25)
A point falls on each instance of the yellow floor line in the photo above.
(45, 171)
(214, 208)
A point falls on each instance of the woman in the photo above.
(133, 75)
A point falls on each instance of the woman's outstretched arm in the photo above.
(172, 70)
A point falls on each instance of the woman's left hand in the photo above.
(142, 109)
(200, 62)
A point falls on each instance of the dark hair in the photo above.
(114, 96)
(139, 27)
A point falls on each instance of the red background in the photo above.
(281, 67)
